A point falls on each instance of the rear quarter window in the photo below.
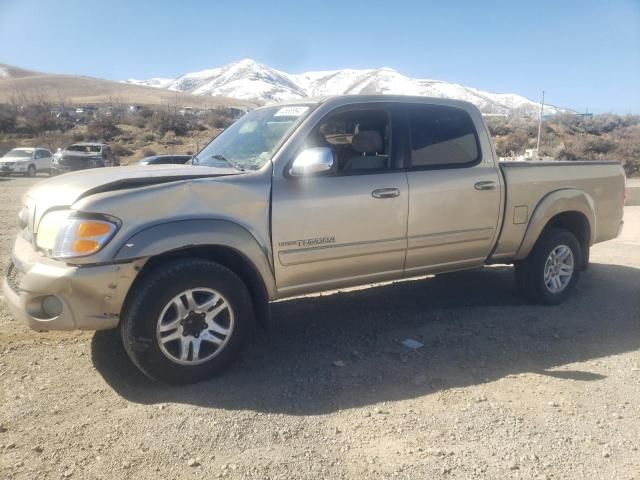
(442, 137)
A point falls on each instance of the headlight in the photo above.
(67, 234)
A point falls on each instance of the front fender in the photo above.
(559, 201)
(180, 234)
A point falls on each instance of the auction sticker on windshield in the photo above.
(295, 111)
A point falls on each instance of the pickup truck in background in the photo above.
(81, 156)
(293, 199)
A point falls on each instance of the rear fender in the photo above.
(560, 201)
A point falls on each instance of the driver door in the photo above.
(347, 226)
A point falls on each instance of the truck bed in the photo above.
(528, 183)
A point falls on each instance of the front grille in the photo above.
(13, 277)
(72, 162)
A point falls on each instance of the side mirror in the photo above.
(312, 161)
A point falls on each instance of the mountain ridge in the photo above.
(250, 80)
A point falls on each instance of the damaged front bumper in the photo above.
(48, 294)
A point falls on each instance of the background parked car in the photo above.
(27, 161)
(165, 159)
(81, 156)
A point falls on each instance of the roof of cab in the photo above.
(339, 100)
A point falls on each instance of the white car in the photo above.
(27, 161)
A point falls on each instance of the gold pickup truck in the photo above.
(293, 199)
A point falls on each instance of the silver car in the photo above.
(26, 161)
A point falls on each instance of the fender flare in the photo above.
(554, 203)
(180, 234)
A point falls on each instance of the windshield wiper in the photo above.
(230, 162)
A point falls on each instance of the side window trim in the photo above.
(441, 166)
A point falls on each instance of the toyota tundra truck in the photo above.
(293, 199)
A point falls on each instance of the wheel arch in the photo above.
(220, 241)
(570, 209)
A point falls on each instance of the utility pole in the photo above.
(540, 126)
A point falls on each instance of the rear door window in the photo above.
(442, 137)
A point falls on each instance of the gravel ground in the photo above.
(500, 390)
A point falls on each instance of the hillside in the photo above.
(24, 86)
(9, 71)
(250, 80)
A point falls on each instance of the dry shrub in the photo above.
(573, 137)
(102, 129)
(121, 150)
(163, 122)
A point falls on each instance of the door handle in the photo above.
(485, 185)
(385, 193)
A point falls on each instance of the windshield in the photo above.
(84, 148)
(250, 142)
(19, 153)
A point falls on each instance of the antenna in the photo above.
(540, 126)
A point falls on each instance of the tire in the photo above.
(31, 171)
(530, 273)
(153, 306)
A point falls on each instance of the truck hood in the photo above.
(64, 190)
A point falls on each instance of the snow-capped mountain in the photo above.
(250, 80)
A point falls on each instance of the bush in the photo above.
(164, 122)
(573, 137)
(102, 129)
(140, 118)
(148, 152)
(8, 118)
(219, 118)
(78, 137)
(121, 150)
(38, 119)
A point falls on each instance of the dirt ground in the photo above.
(500, 390)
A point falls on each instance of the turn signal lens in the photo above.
(85, 247)
(80, 237)
(66, 234)
(93, 229)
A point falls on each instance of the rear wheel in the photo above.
(186, 321)
(551, 270)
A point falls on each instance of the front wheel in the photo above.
(186, 320)
(31, 171)
(551, 270)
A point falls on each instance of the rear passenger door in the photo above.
(454, 192)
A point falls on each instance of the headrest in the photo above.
(367, 141)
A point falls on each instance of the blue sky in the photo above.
(584, 54)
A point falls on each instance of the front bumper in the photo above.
(60, 169)
(12, 168)
(91, 296)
